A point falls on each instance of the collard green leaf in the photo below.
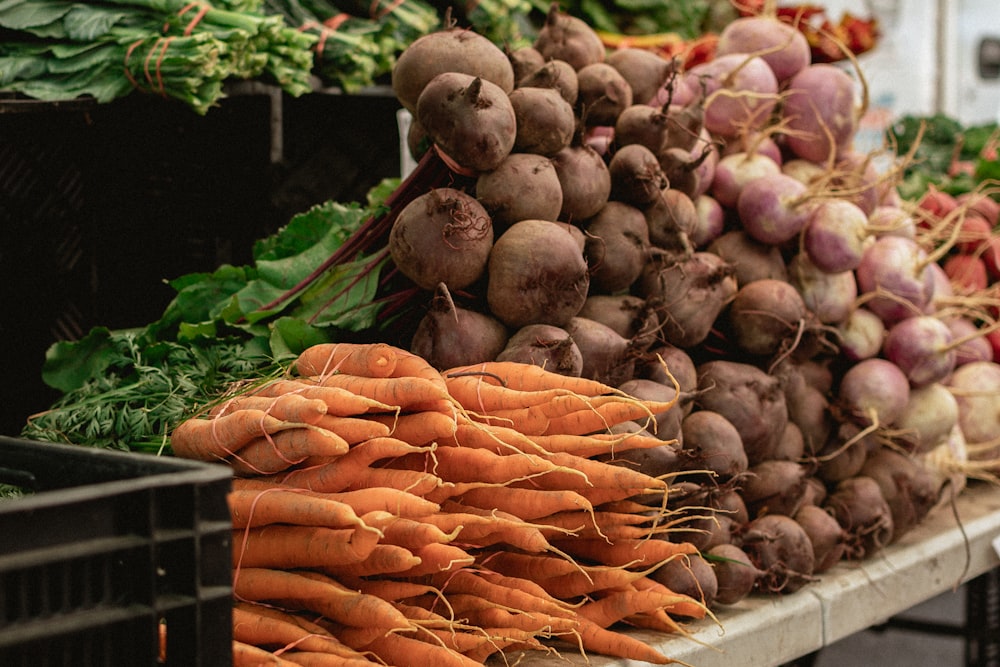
(290, 336)
(28, 16)
(87, 23)
(69, 364)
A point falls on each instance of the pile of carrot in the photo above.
(384, 511)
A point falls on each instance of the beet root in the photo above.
(775, 487)
(862, 511)
(713, 443)
(449, 336)
(829, 540)
(544, 345)
(691, 575)
(779, 547)
(908, 486)
(735, 574)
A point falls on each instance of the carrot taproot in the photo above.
(248, 655)
(686, 607)
(596, 474)
(594, 444)
(624, 552)
(384, 559)
(309, 590)
(270, 454)
(464, 464)
(594, 638)
(397, 392)
(287, 407)
(366, 359)
(216, 438)
(526, 503)
(253, 626)
(438, 557)
(346, 473)
(590, 579)
(529, 377)
(604, 415)
(340, 402)
(614, 606)
(506, 593)
(259, 507)
(494, 437)
(499, 642)
(658, 620)
(354, 429)
(418, 428)
(396, 649)
(365, 500)
(487, 527)
(473, 393)
(317, 659)
(413, 365)
(278, 545)
(490, 615)
(531, 566)
(393, 590)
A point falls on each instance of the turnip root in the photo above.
(750, 259)
(766, 316)
(749, 398)
(976, 387)
(828, 539)
(873, 391)
(774, 487)
(970, 343)
(819, 112)
(861, 335)
(894, 272)
(834, 237)
(536, 275)
(607, 357)
(469, 118)
(636, 177)
(862, 511)
(645, 71)
(449, 50)
(556, 74)
(585, 180)
(523, 186)
(921, 347)
(545, 121)
(908, 486)
(544, 345)
(449, 336)
(690, 292)
(616, 248)
(928, 419)
(713, 444)
(783, 47)
(773, 209)
(780, 548)
(735, 574)
(741, 91)
(566, 37)
(829, 296)
(442, 236)
(603, 94)
(710, 221)
(735, 170)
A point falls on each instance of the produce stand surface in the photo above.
(761, 630)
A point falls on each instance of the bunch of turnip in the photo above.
(709, 235)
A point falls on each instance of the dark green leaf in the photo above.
(68, 365)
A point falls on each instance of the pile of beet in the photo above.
(710, 234)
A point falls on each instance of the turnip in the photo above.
(928, 419)
(469, 118)
(616, 248)
(773, 209)
(819, 112)
(806, 171)
(861, 335)
(566, 37)
(767, 316)
(834, 237)
(585, 180)
(828, 539)
(862, 511)
(556, 74)
(442, 236)
(873, 391)
(689, 291)
(603, 94)
(545, 121)
(908, 486)
(669, 217)
(636, 177)
(750, 259)
(895, 278)
(713, 444)
(607, 356)
(537, 274)
(969, 341)
(735, 170)
(749, 398)
(709, 223)
(523, 186)
(544, 345)
(741, 91)
(891, 221)
(645, 71)
(783, 47)
(449, 335)
(976, 386)
(780, 548)
(921, 347)
(735, 574)
(829, 296)
(450, 50)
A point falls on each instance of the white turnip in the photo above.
(895, 277)
(928, 419)
(773, 209)
(819, 112)
(734, 171)
(976, 387)
(741, 91)
(861, 335)
(921, 347)
(835, 235)
(873, 391)
(829, 296)
(783, 47)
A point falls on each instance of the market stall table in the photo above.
(761, 631)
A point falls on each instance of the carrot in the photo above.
(397, 392)
(592, 473)
(607, 642)
(412, 533)
(594, 444)
(248, 655)
(624, 553)
(384, 559)
(312, 591)
(354, 429)
(604, 415)
(526, 503)
(412, 365)
(354, 472)
(616, 605)
(487, 615)
(685, 607)
(377, 360)
(528, 377)
(216, 438)
(274, 453)
(393, 590)
(438, 557)
(474, 393)
(394, 501)
(508, 594)
(658, 620)
(250, 507)
(486, 527)
(287, 407)
(419, 428)
(251, 626)
(494, 437)
(533, 567)
(590, 579)
(301, 546)
(339, 402)
(314, 659)
(463, 464)
(396, 649)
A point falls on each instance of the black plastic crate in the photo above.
(113, 558)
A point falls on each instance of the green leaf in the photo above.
(290, 336)
(20, 15)
(68, 364)
(86, 23)
(192, 331)
(201, 296)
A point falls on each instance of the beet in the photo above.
(566, 37)
(616, 248)
(546, 122)
(908, 486)
(628, 315)
(544, 345)
(749, 398)
(536, 275)
(558, 75)
(691, 575)
(862, 511)
(792, 445)
(667, 363)
(766, 316)
(585, 180)
(442, 236)
(652, 461)
(751, 260)
(524, 186)
(664, 425)
(449, 336)
(671, 218)
(604, 94)
(714, 444)
(774, 487)
(525, 60)
(607, 356)
(735, 573)
(844, 453)
(828, 539)
(645, 71)
(781, 549)
(636, 177)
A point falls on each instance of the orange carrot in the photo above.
(377, 360)
(616, 605)
(393, 590)
(384, 559)
(528, 377)
(301, 546)
(216, 438)
(396, 649)
(354, 429)
(504, 591)
(274, 453)
(494, 437)
(438, 557)
(412, 365)
(488, 615)
(250, 507)
(463, 464)
(486, 527)
(526, 503)
(474, 393)
(315, 659)
(411, 533)
(593, 637)
(312, 591)
(394, 501)
(624, 553)
(419, 428)
(354, 471)
(252, 626)
(533, 567)
(603, 416)
(339, 402)
(685, 607)
(594, 444)
(248, 655)
(401, 392)
(287, 407)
